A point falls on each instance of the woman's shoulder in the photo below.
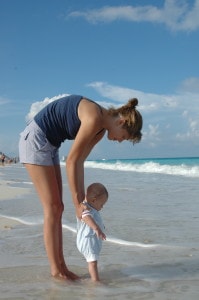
(89, 110)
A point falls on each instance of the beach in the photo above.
(151, 221)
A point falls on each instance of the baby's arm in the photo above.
(92, 224)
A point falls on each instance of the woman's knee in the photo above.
(58, 209)
(55, 210)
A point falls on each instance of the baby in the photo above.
(90, 228)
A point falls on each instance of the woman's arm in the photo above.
(85, 140)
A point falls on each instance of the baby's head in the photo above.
(97, 195)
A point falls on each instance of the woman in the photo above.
(78, 118)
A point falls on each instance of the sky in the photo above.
(109, 51)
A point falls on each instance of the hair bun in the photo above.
(133, 102)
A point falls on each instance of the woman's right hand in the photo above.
(79, 210)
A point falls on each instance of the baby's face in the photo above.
(99, 202)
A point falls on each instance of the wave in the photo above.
(115, 240)
(25, 220)
(72, 228)
(128, 243)
(148, 167)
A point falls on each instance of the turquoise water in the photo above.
(190, 161)
(188, 167)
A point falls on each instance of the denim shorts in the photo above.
(34, 147)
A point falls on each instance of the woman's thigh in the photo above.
(48, 183)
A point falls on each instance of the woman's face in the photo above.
(118, 133)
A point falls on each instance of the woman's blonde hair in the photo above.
(133, 119)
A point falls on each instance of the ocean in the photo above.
(151, 221)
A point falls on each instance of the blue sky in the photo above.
(110, 52)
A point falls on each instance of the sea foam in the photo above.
(148, 167)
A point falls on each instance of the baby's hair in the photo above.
(133, 119)
(95, 190)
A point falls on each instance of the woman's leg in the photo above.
(61, 255)
(47, 181)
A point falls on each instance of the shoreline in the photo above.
(7, 224)
(10, 192)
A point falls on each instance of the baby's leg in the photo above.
(92, 267)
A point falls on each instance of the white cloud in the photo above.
(192, 128)
(37, 106)
(152, 135)
(116, 93)
(148, 102)
(175, 14)
(172, 116)
(153, 131)
(190, 85)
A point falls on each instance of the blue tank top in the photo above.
(59, 119)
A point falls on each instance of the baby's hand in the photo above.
(100, 234)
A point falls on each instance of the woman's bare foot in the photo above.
(68, 273)
(62, 277)
(71, 275)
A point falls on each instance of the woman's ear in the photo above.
(121, 121)
(93, 199)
